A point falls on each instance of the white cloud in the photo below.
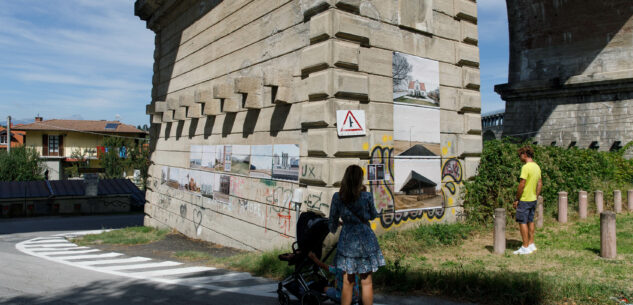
(78, 55)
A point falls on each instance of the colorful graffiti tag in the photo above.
(384, 194)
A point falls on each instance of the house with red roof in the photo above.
(17, 137)
(56, 140)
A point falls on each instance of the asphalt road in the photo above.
(27, 279)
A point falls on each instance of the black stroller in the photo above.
(308, 280)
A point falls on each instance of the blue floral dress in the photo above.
(358, 251)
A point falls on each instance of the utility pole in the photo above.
(8, 134)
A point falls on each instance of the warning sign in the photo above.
(350, 122)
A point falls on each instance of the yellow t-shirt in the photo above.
(531, 172)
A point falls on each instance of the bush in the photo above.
(562, 169)
(22, 164)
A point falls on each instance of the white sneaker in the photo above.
(522, 251)
(532, 247)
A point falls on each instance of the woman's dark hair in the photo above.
(352, 184)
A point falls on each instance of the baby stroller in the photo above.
(308, 280)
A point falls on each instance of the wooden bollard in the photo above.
(562, 207)
(500, 231)
(582, 204)
(629, 200)
(617, 201)
(599, 202)
(539, 212)
(607, 235)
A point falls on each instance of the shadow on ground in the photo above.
(69, 223)
(474, 285)
(137, 292)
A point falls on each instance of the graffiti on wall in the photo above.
(452, 174)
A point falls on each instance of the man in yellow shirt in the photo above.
(527, 193)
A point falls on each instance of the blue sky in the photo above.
(92, 59)
(85, 59)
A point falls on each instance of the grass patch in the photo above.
(126, 236)
(566, 269)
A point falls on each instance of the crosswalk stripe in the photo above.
(47, 238)
(111, 254)
(45, 250)
(235, 276)
(71, 252)
(46, 242)
(172, 271)
(135, 259)
(142, 266)
(68, 245)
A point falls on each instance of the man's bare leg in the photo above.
(523, 228)
(531, 228)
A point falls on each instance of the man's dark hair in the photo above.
(527, 150)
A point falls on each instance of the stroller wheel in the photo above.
(310, 298)
(283, 298)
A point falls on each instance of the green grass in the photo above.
(126, 236)
(403, 99)
(456, 260)
(566, 269)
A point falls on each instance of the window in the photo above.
(3, 139)
(53, 144)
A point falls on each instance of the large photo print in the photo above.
(417, 160)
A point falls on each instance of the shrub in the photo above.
(22, 164)
(562, 169)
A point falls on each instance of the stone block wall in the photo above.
(268, 72)
(565, 87)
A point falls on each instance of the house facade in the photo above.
(61, 142)
(17, 138)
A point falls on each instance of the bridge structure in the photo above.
(570, 79)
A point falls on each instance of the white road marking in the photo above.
(44, 250)
(111, 254)
(71, 252)
(94, 265)
(175, 271)
(142, 266)
(59, 240)
(135, 259)
(68, 245)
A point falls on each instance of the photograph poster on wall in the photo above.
(416, 117)
(286, 162)
(261, 161)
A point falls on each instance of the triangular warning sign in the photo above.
(350, 123)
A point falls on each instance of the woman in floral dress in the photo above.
(358, 252)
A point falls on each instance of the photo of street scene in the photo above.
(416, 117)
(286, 162)
(240, 159)
(195, 156)
(261, 161)
(208, 158)
(218, 164)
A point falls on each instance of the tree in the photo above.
(82, 162)
(124, 154)
(22, 164)
(401, 69)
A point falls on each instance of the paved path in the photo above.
(58, 249)
(38, 265)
